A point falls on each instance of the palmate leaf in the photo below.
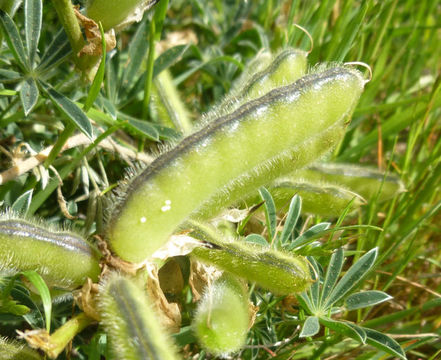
(99, 76)
(352, 278)
(365, 299)
(13, 39)
(33, 15)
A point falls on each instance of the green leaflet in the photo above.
(130, 322)
(222, 316)
(265, 136)
(280, 272)
(362, 180)
(64, 259)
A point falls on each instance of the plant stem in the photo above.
(149, 75)
(66, 15)
(64, 136)
(60, 338)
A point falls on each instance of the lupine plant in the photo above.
(219, 241)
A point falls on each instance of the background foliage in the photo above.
(395, 127)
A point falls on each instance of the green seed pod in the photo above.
(288, 66)
(222, 316)
(362, 180)
(167, 105)
(265, 135)
(280, 272)
(113, 13)
(129, 320)
(64, 259)
(11, 349)
(322, 199)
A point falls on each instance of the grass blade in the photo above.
(99, 76)
(43, 290)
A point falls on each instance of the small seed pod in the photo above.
(365, 181)
(116, 13)
(11, 349)
(322, 199)
(130, 322)
(265, 135)
(280, 272)
(63, 258)
(222, 316)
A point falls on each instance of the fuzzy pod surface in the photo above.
(64, 259)
(14, 350)
(280, 272)
(112, 13)
(321, 199)
(363, 180)
(222, 316)
(129, 320)
(263, 135)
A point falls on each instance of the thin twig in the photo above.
(24, 166)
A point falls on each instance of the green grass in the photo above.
(395, 127)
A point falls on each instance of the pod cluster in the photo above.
(280, 120)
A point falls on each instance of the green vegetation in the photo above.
(363, 247)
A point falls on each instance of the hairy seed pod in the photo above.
(321, 199)
(167, 104)
(362, 180)
(288, 66)
(64, 259)
(222, 316)
(280, 272)
(129, 320)
(116, 13)
(11, 349)
(264, 135)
